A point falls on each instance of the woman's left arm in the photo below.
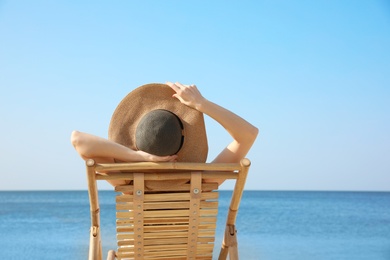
(243, 133)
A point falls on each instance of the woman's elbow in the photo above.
(252, 134)
(79, 141)
(75, 138)
(248, 137)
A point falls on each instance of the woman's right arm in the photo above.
(103, 150)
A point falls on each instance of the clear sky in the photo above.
(313, 76)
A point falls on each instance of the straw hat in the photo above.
(137, 114)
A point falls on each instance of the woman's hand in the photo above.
(189, 95)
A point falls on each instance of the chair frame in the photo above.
(166, 170)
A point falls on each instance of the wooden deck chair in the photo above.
(156, 220)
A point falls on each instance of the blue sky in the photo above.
(313, 76)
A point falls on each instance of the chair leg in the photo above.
(95, 247)
(111, 255)
(229, 244)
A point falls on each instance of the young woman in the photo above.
(242, 132)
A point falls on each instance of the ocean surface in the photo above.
(271, 225)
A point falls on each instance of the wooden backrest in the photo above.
(166, 211)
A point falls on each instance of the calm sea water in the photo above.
(271, 225)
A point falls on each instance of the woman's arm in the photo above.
(104, 150)
(243, 133)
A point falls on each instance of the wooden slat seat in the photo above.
(166, 211)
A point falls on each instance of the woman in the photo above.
(243, 134)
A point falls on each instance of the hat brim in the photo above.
(154, 96)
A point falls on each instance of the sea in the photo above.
(272, 225)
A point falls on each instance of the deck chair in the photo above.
(157, 218)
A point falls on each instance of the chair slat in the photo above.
(169, 167)
(166, 205)
(168, 176)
